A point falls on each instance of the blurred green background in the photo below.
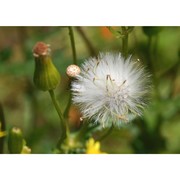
(158, 131)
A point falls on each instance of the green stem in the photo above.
(63, 125)
(155, 47)
(89, 45)
(82, 131)
(149, 62)
(151, 57)
(71, 34)
(124, 42)
(3, 127)
(109, 131)
(66, 111)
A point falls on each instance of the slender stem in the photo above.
(125, 42)
(149, 62)
(3, 127)
(150, 58)
(83, 130)
(63, 126)
(155, 47)
(66, 111)
(109, 131)
(125, 46)
(56, 105)
(89, 45)
(71, 34)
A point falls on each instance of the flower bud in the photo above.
(46, 76)
(15, 141)
(73, 70)
(26, 150)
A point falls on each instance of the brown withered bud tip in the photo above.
(41, 49)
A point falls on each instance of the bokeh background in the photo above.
(158, 131)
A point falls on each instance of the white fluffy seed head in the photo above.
(111, 90)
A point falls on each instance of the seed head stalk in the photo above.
(2, 128)
(124, 42)
(71, 34)
(63, 126)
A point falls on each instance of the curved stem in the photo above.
(150, 58)
(66, 111)
(149, 62)
(82, 131)
(109, 131)
(125, 42)
(2, 128)
(63, 125)
(56, 105)
(71, 34)
(89, 45)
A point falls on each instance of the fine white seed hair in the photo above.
(111, 90)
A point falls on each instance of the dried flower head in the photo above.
(73, 70)
(41, 49)
(46, 76)
(111, 90)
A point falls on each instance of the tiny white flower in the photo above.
(111, 90)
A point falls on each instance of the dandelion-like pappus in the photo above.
(111, 90)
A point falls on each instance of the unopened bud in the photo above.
(46, 76)
(26, 150)
(73, 70)
(15, 141)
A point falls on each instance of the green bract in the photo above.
(46, 76)
(15, 141)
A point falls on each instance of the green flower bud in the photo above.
(26, 150)
(15, 141)
(46, 76)
(73, 70)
